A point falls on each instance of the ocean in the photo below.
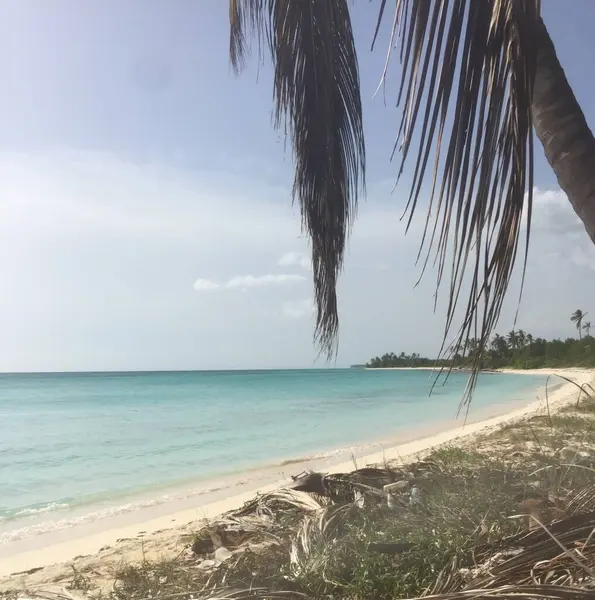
(70, 442)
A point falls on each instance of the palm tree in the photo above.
(499, 345)
(577, 318)
(512, 339)
(587, 328)
(472, 345)
(475, 115)
(521, 337)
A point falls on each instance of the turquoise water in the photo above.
(68, 440)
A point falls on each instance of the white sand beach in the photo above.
(163, 531)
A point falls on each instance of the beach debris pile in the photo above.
(529, 532)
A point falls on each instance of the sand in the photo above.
(99, 547)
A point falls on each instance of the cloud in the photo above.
(296, 259)
(297, 309)
(553, 212)
(554, 220)
(248, 281)
(116, 245)
(206, 285)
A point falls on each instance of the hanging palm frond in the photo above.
(481, 140)
(317, 98)
(482, 53)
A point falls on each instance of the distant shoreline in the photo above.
(504, 370)
(400, 368)
(437, 369)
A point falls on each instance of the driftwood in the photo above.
(347, 487)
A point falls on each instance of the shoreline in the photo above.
(511, 370)
(157, 529)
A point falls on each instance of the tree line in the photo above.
(518, 349)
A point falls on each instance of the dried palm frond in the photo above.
(255, 593)
(370, 478)
(342, 486)
(317, 97)
(281, 500)
(519, 592)
(252, 593)
(312, 482)
(582, 501)
(312, 542)
(232, 531)
(543, 553)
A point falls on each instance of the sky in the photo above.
(146, 218)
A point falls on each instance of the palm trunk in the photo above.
(561, 127)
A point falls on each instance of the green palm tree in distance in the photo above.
(587, 328)
(466, 126)
(521, 338)
(577, 318)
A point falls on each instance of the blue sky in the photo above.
(146, 200)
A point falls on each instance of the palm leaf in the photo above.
(283, 499)
(481, 141)
(482, 169)
(520, 592)
(317, 98)
(312, 543)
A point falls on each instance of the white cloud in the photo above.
(206, 285)
(249, 281)
(296, 259)
(297, 309)
(554, 217)
(117, 246)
